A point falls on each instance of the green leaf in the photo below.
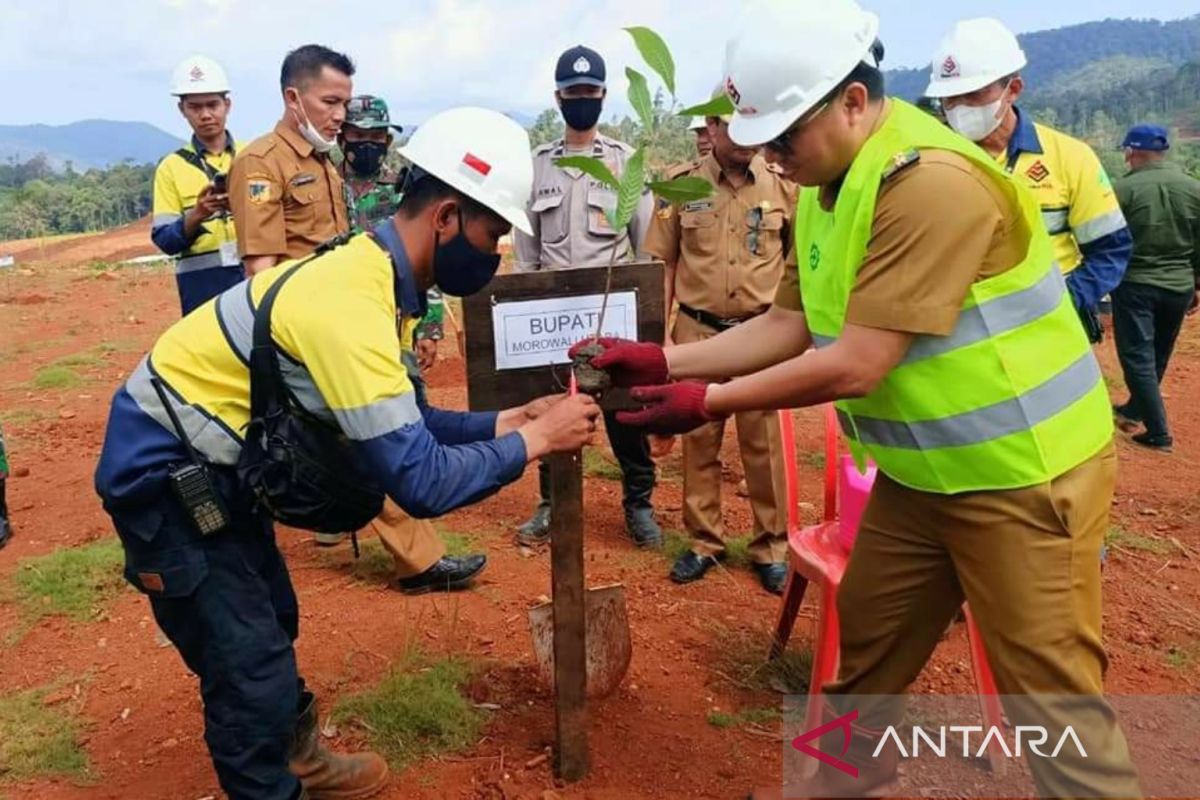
(592, 167)
(639, 98)
(630, 190)
(717, 107)
(656, 54)
(682, 190)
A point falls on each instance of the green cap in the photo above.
(368, 112)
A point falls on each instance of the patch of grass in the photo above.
(416, 711)
(742, 658)
(1128, 540)
(597, 464)
(84, 359)
(737, 551)
(458, 544)
(72, 581)
(21, 416)
(56, 377)
(37, 739)
(102, 266)
(675, 544)
(751, 716)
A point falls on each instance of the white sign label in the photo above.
(537, 333)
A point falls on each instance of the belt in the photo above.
(712, 320)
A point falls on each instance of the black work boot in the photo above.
(536, 530)
(639, 513)
(326, 775)
(5, 527)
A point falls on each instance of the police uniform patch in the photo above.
(698, 205)
(303, 179)
(259, 191)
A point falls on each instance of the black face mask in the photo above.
(459, 267)
(581, 113)
(365, 158)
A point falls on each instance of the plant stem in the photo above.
(607, 289)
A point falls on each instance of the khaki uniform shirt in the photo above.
(567, 208)
(286, 199)
(728, 248)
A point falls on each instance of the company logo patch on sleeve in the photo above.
(259, 191)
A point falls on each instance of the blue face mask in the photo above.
(459, 267)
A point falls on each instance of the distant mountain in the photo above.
(1059, 54)
(90, 143)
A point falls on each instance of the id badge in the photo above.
(229, 254)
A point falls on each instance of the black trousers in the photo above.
(632, 450)
(1146, 322)
(227, 604)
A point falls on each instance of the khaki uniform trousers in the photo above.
(414, 544)
(1028, 563)
(762, 459)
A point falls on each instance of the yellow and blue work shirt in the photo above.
(334, 326)
(207, 263)
(1091, 240)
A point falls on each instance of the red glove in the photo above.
(629, 363)
(671, 409)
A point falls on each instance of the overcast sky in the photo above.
(66, 60)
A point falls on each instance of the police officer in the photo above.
(724, 256)
(191, 211)
(285, 192)
(372, 195)
(976, 73)
(944, 333)
(1162, 284)
(225, 600)
(570, 230)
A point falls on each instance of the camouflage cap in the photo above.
(368, 112)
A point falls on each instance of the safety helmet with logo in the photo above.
(198, 75)
(481, 153)
(975, 53)
(786, 56)
(369, 113)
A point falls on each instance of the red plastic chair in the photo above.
(819, 554)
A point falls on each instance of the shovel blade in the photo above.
(609, 649)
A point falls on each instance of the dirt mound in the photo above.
(118, 244)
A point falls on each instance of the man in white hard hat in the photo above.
(191, 207)
(945, 335)
(699, 126)
(225, 599)
(976, 73)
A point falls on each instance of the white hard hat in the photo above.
(198, 75)
(698, 124)
(786, 56)
(973, 54)
(481, 153)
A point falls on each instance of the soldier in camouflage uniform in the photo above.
(372, 194)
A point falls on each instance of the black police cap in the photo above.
(579, 65)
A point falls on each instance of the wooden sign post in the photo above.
(518, 331)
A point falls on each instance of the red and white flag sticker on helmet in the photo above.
(474, 167)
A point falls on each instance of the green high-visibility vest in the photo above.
(1012, 397)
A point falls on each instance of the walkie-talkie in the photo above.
(190, 482)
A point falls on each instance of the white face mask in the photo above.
(976, 122)
(312, 135)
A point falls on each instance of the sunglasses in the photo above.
(782, 144)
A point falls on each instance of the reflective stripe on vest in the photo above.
(980, 322)
(982, 424)
(208, 434)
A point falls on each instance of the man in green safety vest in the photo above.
(945, 335)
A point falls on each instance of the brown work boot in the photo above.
(328, 776)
